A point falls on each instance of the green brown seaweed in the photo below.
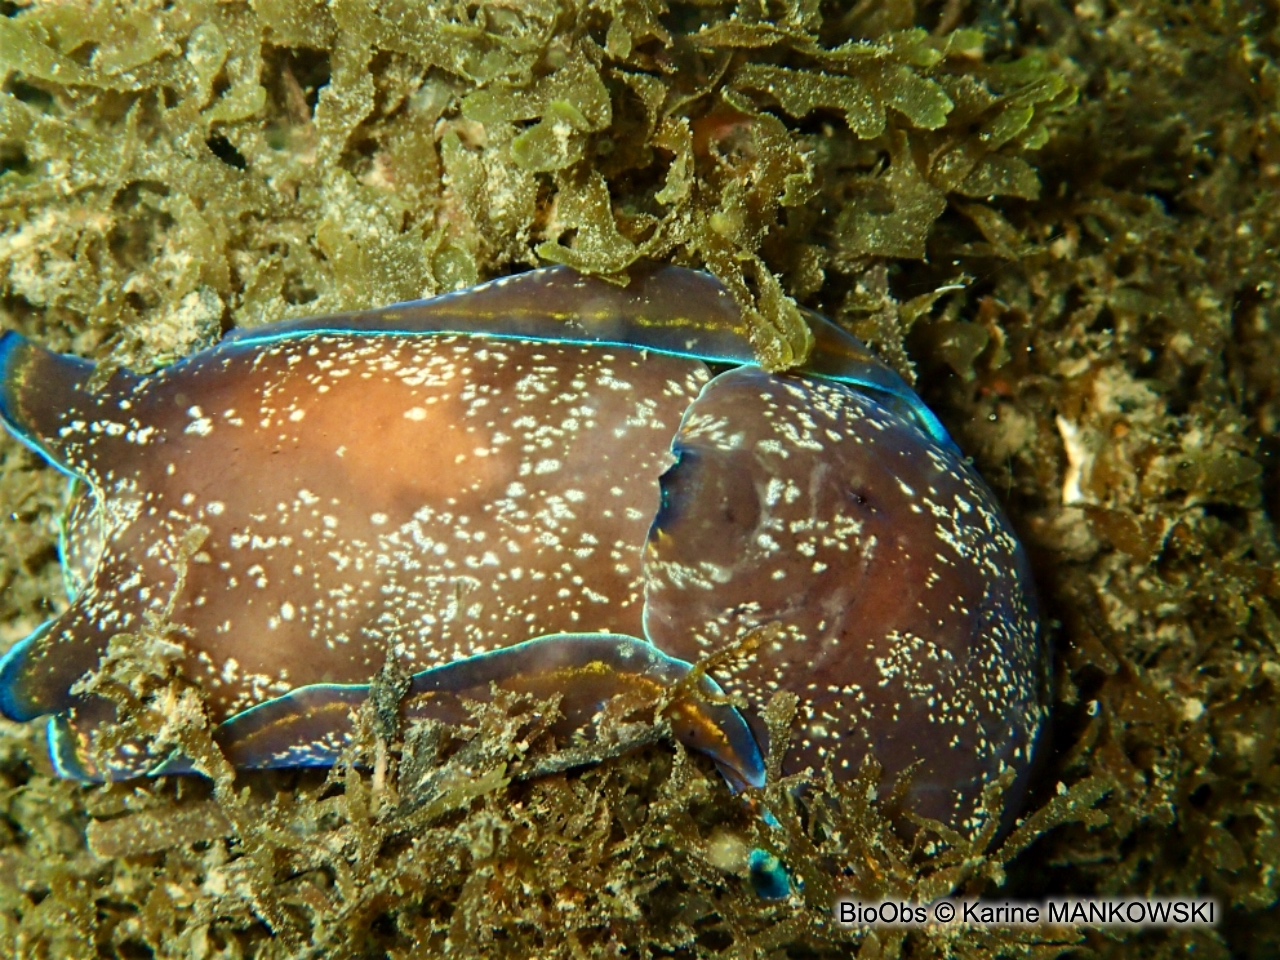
(1064, 216)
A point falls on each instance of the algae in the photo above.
(1061, 217)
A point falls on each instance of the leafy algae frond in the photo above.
(214, 163)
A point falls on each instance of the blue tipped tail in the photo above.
(39, 391)
(769, 878)
(13, 704)
(10, 344)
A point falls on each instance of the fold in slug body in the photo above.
(551, 484)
